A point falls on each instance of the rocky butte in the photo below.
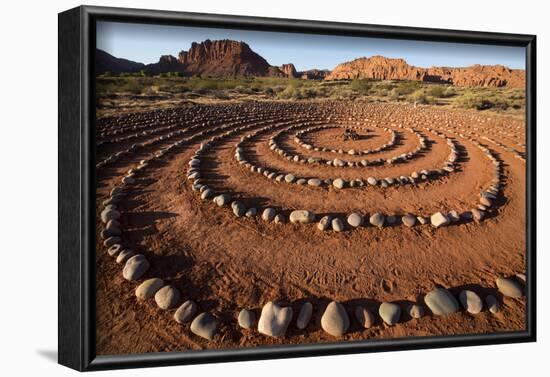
(228, 58)
(382, 68)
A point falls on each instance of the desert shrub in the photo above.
(407, 87)
(307, 93)
(361, 86)
(244, 90)
(385, 86)
(288, 93)
(132, 86)
(344, 94)
(449, 92)
(517, 95)
(394, 95)
(419, 97)
(435, 91)
(220, 94)
(480, 102)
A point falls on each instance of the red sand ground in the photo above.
(226, 264)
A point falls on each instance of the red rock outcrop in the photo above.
(382, 68)
(166, 63)
(289, 70)
(314, 74)
(223, 58)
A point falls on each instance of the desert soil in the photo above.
(226, 263)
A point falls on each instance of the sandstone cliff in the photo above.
(382, 68)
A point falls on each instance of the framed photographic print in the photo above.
(237, 188)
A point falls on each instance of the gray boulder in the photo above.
(377, 219)
(186, 311)
(268, 214)
(470, 301)
(509, 287)
(441, 301)
(355, 220)
(390, 313)
(167, 297)
(246, 318)
(205, 326)
(335, 320)
(304, 316)
(148, 288)
(135, 267)
(302, 217)
(364, 317)
(438, 219)
(337, 225)
(274, 320)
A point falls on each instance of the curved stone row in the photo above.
(352, 152)
(275, 319)
(354, 220)
(142, 124)
(337, 162)
(134, 147)
(517, 154)
(449, 166)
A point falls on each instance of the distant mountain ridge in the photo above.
(229, 58)
(382, 68)
(105, 62)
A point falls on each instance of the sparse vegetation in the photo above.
(361, 86)
(173, 85)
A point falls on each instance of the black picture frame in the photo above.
(76, 187)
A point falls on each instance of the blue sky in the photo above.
(146, 43)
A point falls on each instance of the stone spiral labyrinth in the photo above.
(253, 224)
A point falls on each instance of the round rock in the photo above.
(246, 318)
(289, 178)
(389, 312)
(492, 304)
(304, 316)
(416, 311)
(355, 220)
(377, 219)
(339, 183)
(222, 199)
(509, 287)
(335, 320)
(274, 319)
(438, 219)
(302, 217)
(337, 225)
(238, 208)
(364, 317)
(315, 182)
(268, 214)
(167, 297)
(470, 301)
(408, 220)
(109, 214)
(135, 267)
(124, 256)
(186, 312)
(205, 326)
(324, 223)
(148, 288)
(441, 301)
